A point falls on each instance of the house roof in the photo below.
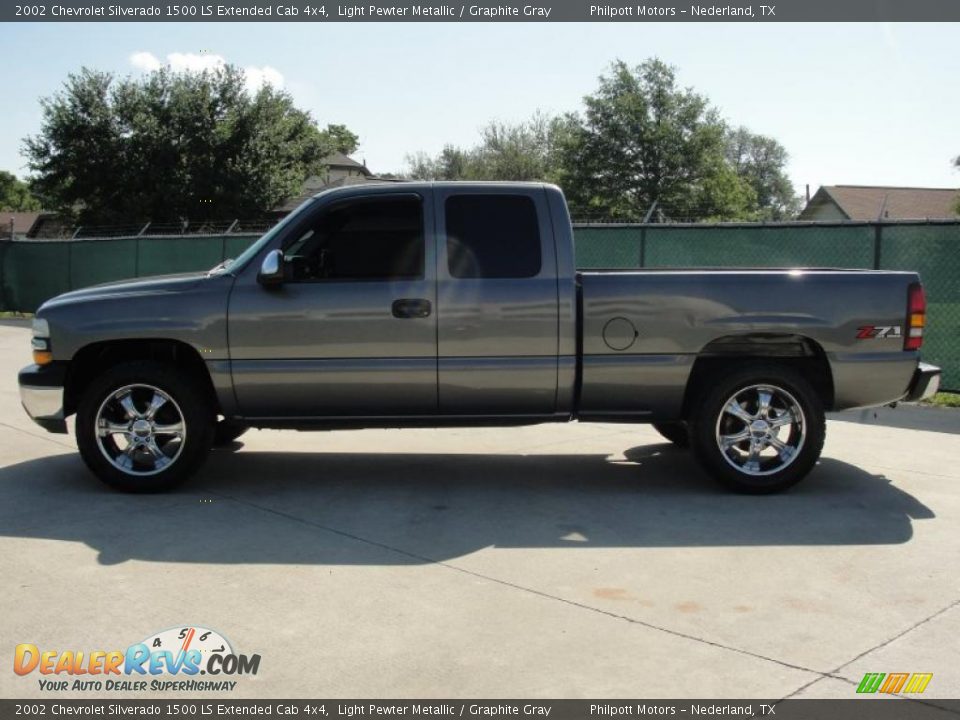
(868, 202)
(339, 160)
(22, 222)
(318, 183)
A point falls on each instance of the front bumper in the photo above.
(925, 383)
(41, 393)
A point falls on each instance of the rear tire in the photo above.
(144, 426)
(758, 430)
(675, 432)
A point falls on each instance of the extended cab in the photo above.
(439, 304)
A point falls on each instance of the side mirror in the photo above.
(271, 270)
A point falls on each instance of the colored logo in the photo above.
(180, 651)
(894, 683)
(869, 332)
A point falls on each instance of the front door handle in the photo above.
(411, 308)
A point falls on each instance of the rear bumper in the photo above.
(925, 383)
(41, 394)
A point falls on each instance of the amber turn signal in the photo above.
(42, 357)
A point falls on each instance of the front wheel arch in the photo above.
(92, 360)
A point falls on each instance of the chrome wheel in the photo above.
(140, 430)
(761, 430)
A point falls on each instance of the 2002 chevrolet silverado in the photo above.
(440, 304)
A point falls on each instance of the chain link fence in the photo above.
(32, 271)
(52, 228)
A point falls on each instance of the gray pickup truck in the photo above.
(459, 304)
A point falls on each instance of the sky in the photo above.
(853, 103)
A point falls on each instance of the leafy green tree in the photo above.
(641, 143)
(15, 194)
(343, 140)
(171, 146)
(451, 164)
(518, 152)
(521, 151)
(644, 140)
(419, 166)
(761, 161)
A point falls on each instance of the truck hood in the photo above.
(156, 285)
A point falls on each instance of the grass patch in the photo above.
(944, 399)
(8, 314)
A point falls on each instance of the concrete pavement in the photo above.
(549, 561)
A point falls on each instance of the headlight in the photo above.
(41, 328)
(42, 354)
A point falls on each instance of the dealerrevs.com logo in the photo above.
(170, 660)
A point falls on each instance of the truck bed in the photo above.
(641, 330)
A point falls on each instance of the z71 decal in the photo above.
(868, 332)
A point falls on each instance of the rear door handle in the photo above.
(411, 308)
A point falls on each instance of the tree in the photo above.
(15, 194)
(451, 164)
(641, 143)
(761, 162)
(343, 140)
(420, 166)
(644, 140)
(172, 146)
(518, 152)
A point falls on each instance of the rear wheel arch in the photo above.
(94, 359)
(729, 353)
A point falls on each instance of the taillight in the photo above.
(916, 317)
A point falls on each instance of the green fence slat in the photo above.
(99, 261)
(608, 247)
(36, 272)
(4, 302)
(934, 252)
(236, 244)
(168, 255)
(760, 246)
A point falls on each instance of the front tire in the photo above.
(144, 426)
(675, 432)
(759, 430)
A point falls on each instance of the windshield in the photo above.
(251, 252)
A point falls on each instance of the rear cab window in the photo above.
(492, 236)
